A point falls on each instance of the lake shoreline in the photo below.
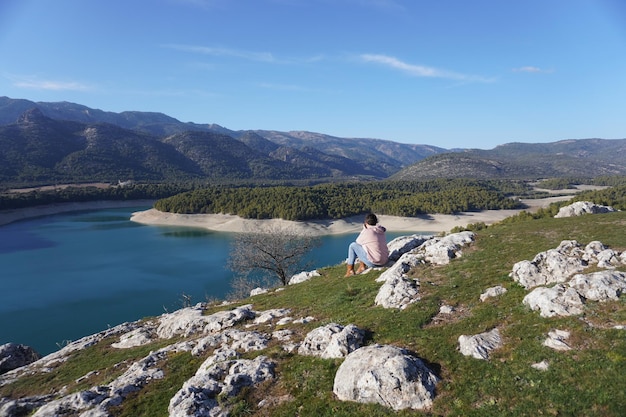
(430, 223)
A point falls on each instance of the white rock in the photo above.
(302, 277)
(493, 292)
(267, 316)
(557, 340)
(138, 337)
(403, 244)
(191, 320)
(199, 395)
(385, 375)
(556, 301)
(541, 366)
(600, 286)
(332, 341)
(583, 207)
(549, 267)
(258, 291)
(479, 346)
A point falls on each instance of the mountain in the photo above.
(305, 155)
(39, 150)
(585, 158)
(49, 142)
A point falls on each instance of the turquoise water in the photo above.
(66, 276)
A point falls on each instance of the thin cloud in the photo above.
(236, 53)
(532, 69)
(418, 70)
(34, 83)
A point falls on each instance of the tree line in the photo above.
(340, 200)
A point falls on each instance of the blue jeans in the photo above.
(357, 251)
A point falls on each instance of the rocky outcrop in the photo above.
(399, 291)
(479, 346)
(583, 207)
(13, 355)
(199, 395)
(385, 375)
(563, 266)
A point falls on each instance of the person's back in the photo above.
(370, 246)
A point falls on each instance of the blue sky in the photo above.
(449, 73)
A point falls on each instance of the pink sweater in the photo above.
(373, 240)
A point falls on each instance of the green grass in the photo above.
(589, 380)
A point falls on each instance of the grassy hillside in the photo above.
(589, 380)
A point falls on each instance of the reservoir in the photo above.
(70, 275)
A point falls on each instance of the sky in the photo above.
(448, 73)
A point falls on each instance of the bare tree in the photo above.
(276, 251)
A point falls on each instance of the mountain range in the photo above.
(58, 142)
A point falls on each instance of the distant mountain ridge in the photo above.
(56, 142)
(586, 158)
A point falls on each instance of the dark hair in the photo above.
(371, 219)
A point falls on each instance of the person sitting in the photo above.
(370, 247)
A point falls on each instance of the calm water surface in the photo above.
(70, 275)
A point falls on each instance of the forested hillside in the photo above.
(335, 201)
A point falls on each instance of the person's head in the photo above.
(371, 219)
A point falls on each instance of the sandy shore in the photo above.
(432, 223)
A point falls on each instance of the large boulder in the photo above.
(13, 355)
(386, 375)
(583, 207)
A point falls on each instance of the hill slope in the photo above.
(585, 380)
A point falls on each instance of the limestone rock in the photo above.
(600, 286)
(583, 207)
(403, 244)
(556, 301)
(386, 375)
(302, 277)
(191, 320)
(258, 291)
(493, 292)
(557, 340)
(332, 341)
(13, 355)
(479, 346)
(270, 315)
(399, 291)
(439, 251)
(549, 267)
(544, 365)
(134, 338)
(199, 395)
